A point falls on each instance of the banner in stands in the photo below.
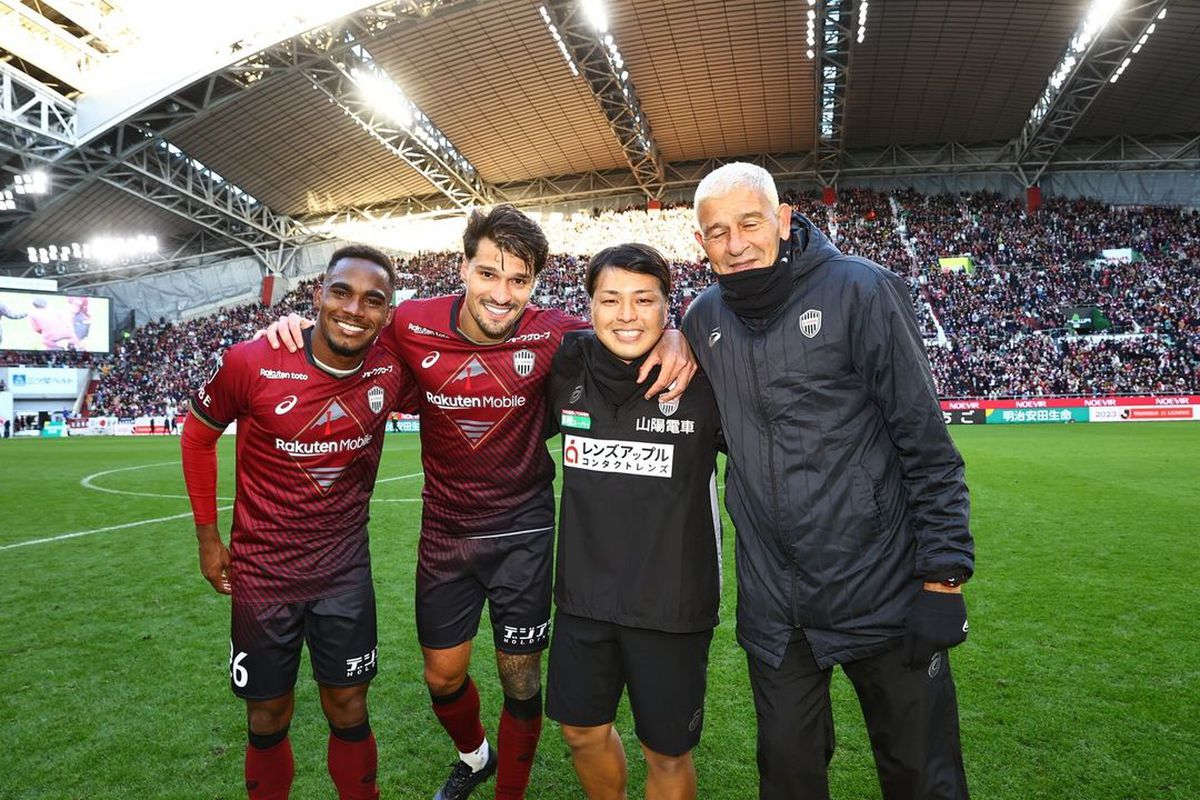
(1071, 409)
(53, 322)
(42, 381)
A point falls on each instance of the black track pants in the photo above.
(911, 716)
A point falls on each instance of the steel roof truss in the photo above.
(832, 75)
(1045, 133)
(614, 93)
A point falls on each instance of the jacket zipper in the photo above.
(758, 394)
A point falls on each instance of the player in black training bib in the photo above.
(638, 565)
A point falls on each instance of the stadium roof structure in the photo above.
(226, 128)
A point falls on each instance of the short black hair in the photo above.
(513, 232)
(633, 257)
(364, 252)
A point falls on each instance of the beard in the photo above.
(494, 329)
(343, 350)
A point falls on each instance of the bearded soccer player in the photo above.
(481, 361)
(310, 432)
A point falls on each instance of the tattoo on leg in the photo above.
(520, 674)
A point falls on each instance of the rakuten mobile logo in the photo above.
(313, 449)
(451, 402)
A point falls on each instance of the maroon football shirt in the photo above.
(483, 417)
(308, 447)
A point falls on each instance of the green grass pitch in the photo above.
(1081, 678)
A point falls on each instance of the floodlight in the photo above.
(596, 14)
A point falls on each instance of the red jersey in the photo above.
(308, 447)
(483, 417)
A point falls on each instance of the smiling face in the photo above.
(740, 230)
(353, 305)
(497, 288)
(629, 312)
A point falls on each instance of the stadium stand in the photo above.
(1000, 331)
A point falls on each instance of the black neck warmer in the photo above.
(759, 293)
(617, 380)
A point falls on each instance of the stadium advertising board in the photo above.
(55, 429)
(404, 423)
(43, 382)
(53, 322)
(964, 416)
(1071, 409)
(1144, 413)
(1016, 415)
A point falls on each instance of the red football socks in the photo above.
(353, 761)
(520, 729)
(459, 714)
(269, 771)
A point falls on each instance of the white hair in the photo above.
(736, 175)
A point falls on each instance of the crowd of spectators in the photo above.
(154, 372)
(999, 331)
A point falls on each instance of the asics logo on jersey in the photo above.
(286, 404)
(431, 359)
(714, 337)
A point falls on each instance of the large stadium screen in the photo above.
(957, 264)
(54, 322)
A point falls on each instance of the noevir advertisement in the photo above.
(1071, 409)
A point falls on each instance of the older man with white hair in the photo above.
(845, 489)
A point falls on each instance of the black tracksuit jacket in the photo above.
(842, 482)
(639, 528)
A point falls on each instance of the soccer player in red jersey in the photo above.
(481, 361)
(310, 428)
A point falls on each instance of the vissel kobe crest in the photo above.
(523, 362)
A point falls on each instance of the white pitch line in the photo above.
(77, 534)
(401, 477)
(87, 482)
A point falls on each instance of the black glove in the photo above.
(936, 621)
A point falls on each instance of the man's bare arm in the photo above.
(678, 366)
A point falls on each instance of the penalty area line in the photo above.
(122, 526)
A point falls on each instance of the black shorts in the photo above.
(592, 661)
(264, 648)
(512, 571)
